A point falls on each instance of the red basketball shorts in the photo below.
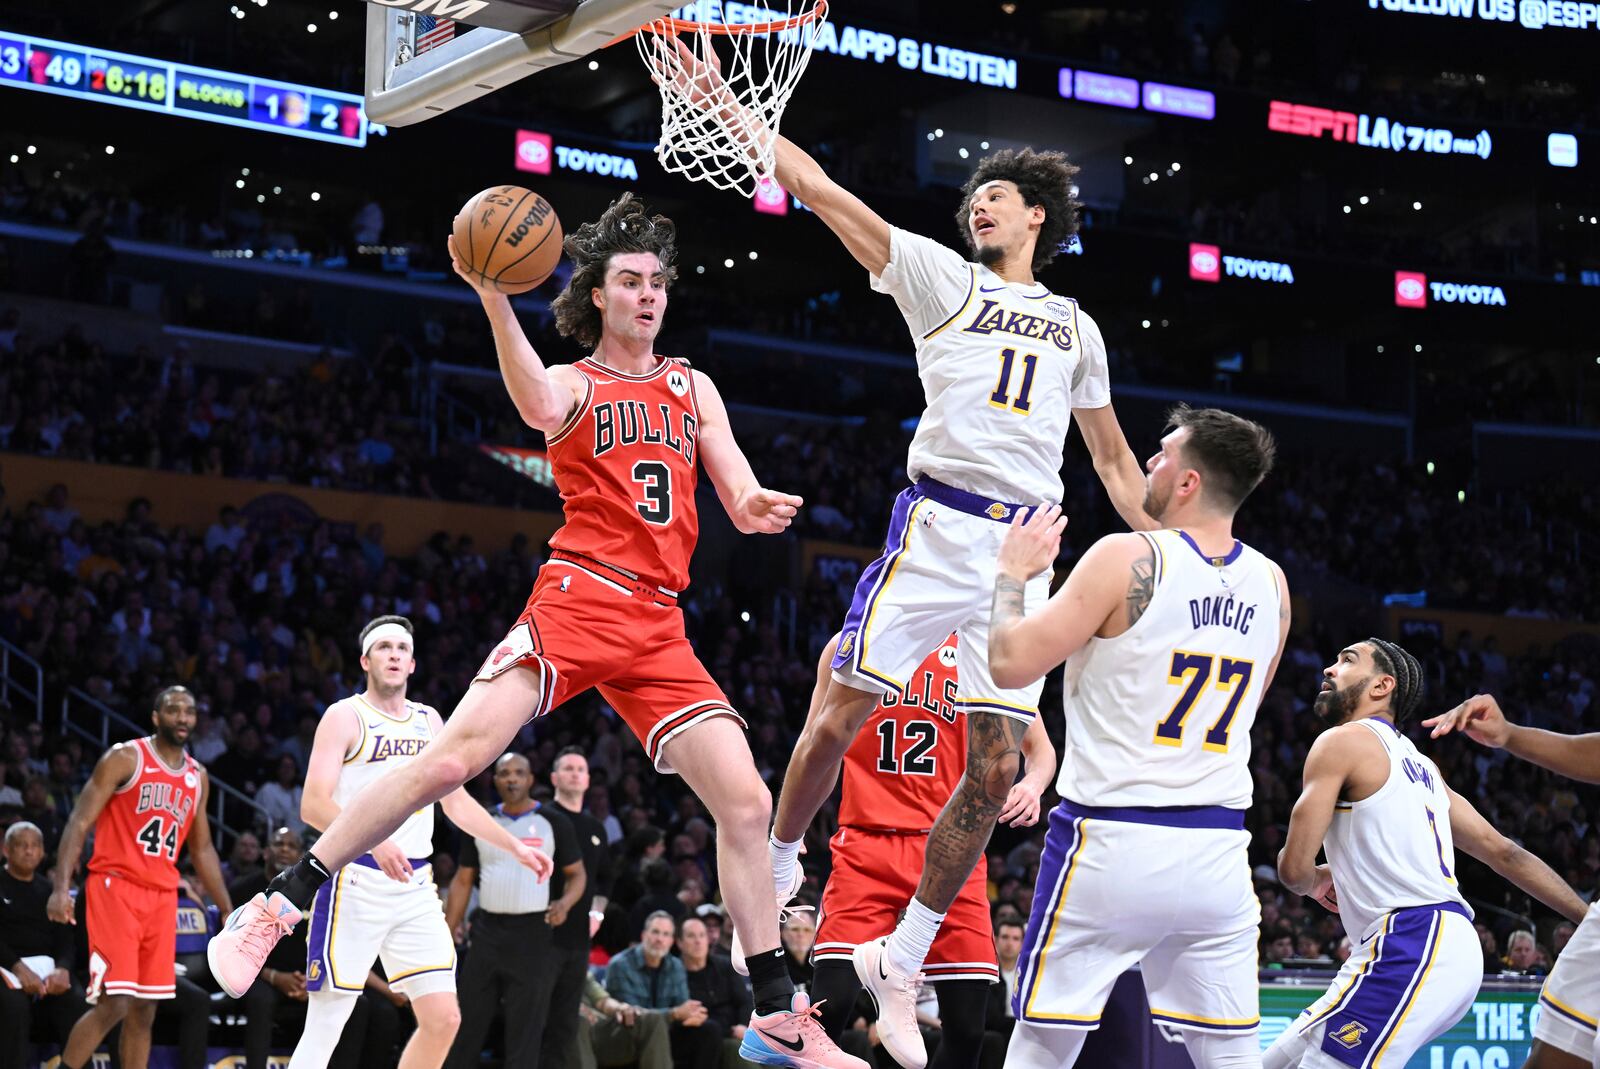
(588, 625)
(133, 937)
(874, 877)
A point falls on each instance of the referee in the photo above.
(506, 962)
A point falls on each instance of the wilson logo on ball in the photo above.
(535, 216)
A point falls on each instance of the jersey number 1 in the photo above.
(656, 480)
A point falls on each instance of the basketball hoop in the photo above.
(719, 119)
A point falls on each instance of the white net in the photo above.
(720, 112)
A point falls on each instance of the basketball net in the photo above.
(721, 128)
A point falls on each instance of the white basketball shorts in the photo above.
(1569, 1004)
(936, 576)
(361, 915)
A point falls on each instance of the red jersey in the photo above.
(142, 828)
(910, 754)
(624, 463)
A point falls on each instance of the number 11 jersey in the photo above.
(625, 466)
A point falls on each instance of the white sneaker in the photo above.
(895, 995)
(785, 896)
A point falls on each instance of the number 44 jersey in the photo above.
(1160, 715)
(142, 828)
(624, 464)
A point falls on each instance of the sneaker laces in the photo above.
(911, 985)
(257, 934)
(809, 1020)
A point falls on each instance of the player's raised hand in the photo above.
(392, 861)
(1032, 543)
(469, 276)
(536, 860)
(697, 79)
(763, 511)
(1479, 716)
(1022, 805)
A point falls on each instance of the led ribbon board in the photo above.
(180, 89)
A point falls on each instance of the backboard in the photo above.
(420, 64)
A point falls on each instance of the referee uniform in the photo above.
(506, 965)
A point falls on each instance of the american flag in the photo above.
(433, 31)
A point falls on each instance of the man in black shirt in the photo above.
(27, 932)
(714, 984)
(279, 993)
(570, 945)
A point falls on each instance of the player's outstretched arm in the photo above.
(861, 229)
(544, 397)
(1483, 721)
(1332, 758)
(752, 508)
(1475, 835)
(116, 766)
(1117, 568)
(203, 851)
(1119, 470)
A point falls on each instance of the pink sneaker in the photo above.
(238, 952)
(794, 1038)
(785, 896)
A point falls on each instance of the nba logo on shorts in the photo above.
(533, 151)
(1205, 263)
(1410, 289)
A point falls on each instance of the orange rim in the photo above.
(672, 26)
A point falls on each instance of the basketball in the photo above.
(509, 237)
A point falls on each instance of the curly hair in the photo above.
(1045, 180)
(622, 228)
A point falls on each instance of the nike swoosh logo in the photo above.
(797, 1045)
(882, 975)
(991, 289)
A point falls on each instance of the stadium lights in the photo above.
(1430, 467)
(1416, 205)
(752, 254)
(15, 157)
(1347, 209)
(1145, 323)
(311, 27)
(938, 131)
(594, 64)
(962, 152)
(1128, 160)
(984, 145)
(1177, 166)
(930, 137)
(1363, 198)
(728, 262)
(1461, 497)
(32, 149)
(315, 195)
(332, 15)
(238, 183)
(1419, 348)
(261, 198)
(700, 269)
(244, 171)
(745, 616)
(1380, 348)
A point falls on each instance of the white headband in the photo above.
(383, 631)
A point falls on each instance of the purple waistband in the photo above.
(1216, 817)
(369, 862)
(962, 501)
(1445, 907)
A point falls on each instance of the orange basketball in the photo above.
(509, 237)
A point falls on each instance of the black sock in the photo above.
(769, 981)
(300, 881)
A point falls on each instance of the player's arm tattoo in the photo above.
(1141, 585)
(1008, 596)
(961, 834)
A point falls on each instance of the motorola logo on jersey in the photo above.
(1205, 263)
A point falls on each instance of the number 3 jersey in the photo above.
(1002, 366)
(624, 464)
(907, 759)
(1160, 715)
(141, 830)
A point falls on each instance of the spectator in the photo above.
(799, 936)
(658, 894)
(37, 809)
(1522, 954)
(280, 799)
(999, 1020)
(1560, 936)
(37, 953)
(229, 531)
(569, 957)
(1491, 952)
(612, 1032)
(648, 976)
(244, 860)
(714, 984)
(57, 514)
(1277, 947)
(507, 964)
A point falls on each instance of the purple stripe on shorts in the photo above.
(869, 587)
(1061, 844)
(317, 937)
(1216, 817)
(1353, 1034)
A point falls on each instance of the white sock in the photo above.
(785, 856)
(327, 1012)
(911, 938)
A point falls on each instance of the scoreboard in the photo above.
(181, 89)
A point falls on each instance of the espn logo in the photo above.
(1410, 289)
(533, 151)
(1205, 263)
(1306, 120)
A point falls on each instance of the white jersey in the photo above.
(1160, 715)
(1002, 367)
(385, 743)
(1393, 849)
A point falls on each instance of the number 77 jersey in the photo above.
(625, 466)
(1160, 715)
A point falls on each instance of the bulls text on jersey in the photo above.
(160, 797)
(629, 422)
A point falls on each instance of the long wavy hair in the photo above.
(626, 226)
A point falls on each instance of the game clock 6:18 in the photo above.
(133, 81)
